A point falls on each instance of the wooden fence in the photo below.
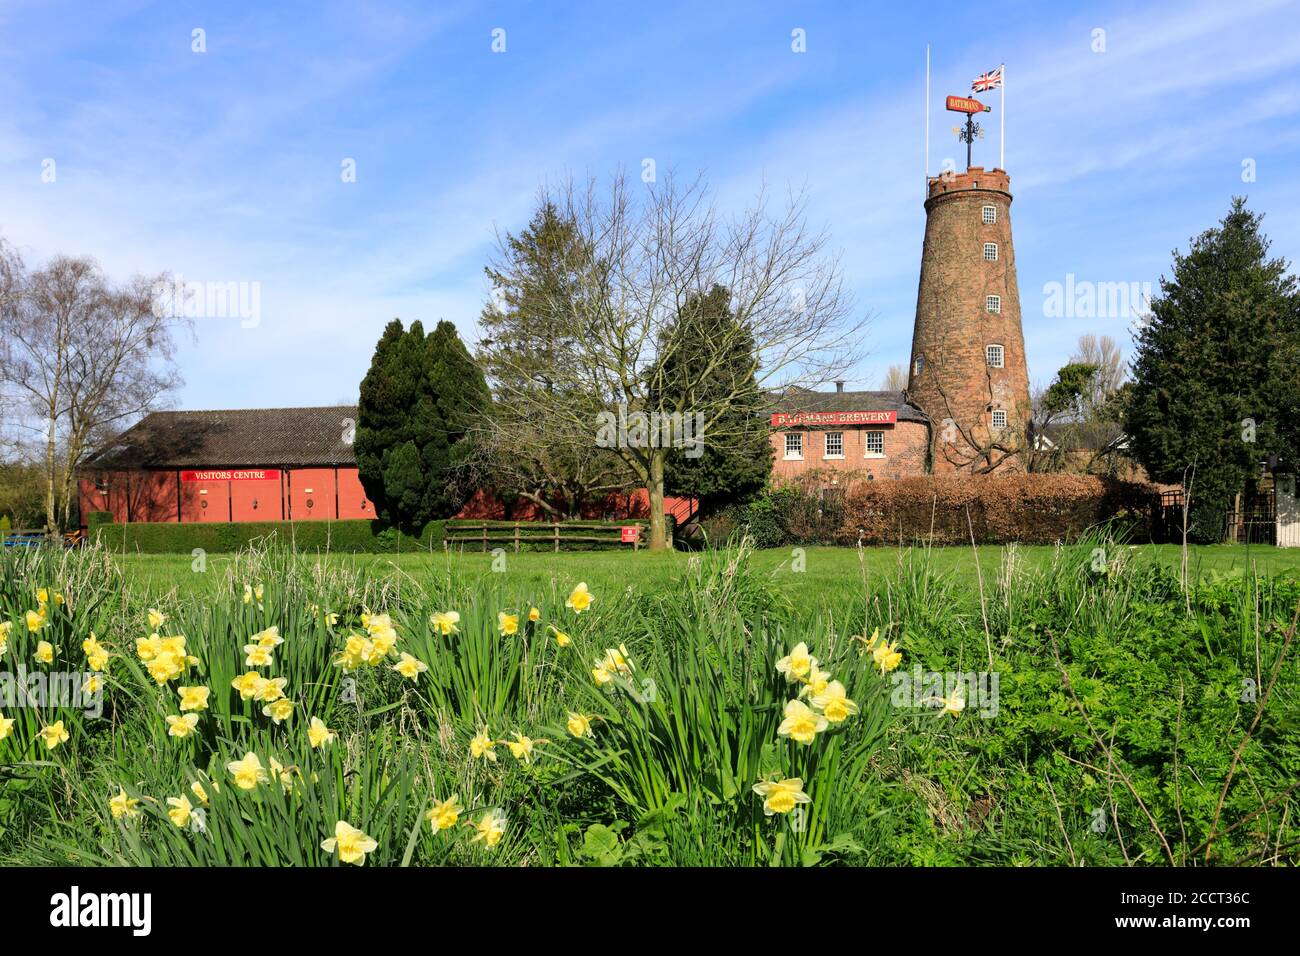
(493, 534)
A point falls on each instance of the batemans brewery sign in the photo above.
(264, 474)
(794, 419)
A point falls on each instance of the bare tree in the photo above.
(655, 246)
(895, 379)
(1102, 352)
(82, 357)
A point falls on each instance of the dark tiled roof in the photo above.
(232, 438)
(805, 400)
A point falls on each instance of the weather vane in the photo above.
(972, 130)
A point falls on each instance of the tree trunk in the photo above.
(655, 489)
(51, 508)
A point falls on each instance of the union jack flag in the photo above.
(987, 81)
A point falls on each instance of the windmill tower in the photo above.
(968, 372)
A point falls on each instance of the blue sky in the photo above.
(225, 166)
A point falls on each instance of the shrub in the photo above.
(348, 535)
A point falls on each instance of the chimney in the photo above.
(839, 386)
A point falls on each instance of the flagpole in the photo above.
(927, 121)
(1002, 137)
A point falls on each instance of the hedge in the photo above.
(1029, 508)
(348, 535)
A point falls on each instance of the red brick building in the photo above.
(242, 465)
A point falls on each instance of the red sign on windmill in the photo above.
(966, 104)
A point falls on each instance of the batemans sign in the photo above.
(790, 419)
(964, 104)
(266, 474)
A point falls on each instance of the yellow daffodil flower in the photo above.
(123, 805)
(444, 814)
(482, 746)
(887, 656)
(534, 615)
(93, 685)
(257, 656)
(954, 703)
(248, 685)
(156, 619)
(834, 703)
(579, 598)
(561, 639)
(801, 722)
(181, 810)
(798, 664)
(579, 725)
(181, 726)
(507, 624)
(270, 638)
(522, 747)
(352, 845)
(53, 735)
(270, 689)
(44, 652)
(248, 773)
(489, 829)
(196, 788)
(280, 710)
(318, 735)
(6, 726)
(35, 620)
(194, 698)
(444, 622)
(781, 796)
(410, 667)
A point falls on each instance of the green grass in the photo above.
(1128, 727)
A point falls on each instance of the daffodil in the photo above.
(269, 638)
(410, 667)
(181, 810)
(781, 796)
(329, 618)
(816, 683)
(352, 845)
(801, 722)
(482, 746)
(181, 726)
(444, 813)
(194, 698)
(252, 593)
(156, 619)
(123, 805)
(93, 685)
(318, 735)
(44, 652)
(561, 639)
(444, 622)
(6, 726)
(579, 725)
(954, 703)
(257, 656)
(196, 788)
(279, 710)
(507, 624)
(356, 651)
(53, 735)
(248, 684)
(798, 664)
(887, 656)
(248, 773)
(35, 620)
(834, 703)
(579, 598)
(490, 828)
(270, 689)
(522, 747)
(534, 615)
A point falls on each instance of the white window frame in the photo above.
(796, 455)
(993, 303)
(918, 364)
(867, 443)
(1001, 355)
(990, 252)
(826, 446)
(989, 215)
(993, 418)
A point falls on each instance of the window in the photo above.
(834, 445)
(875, 444)
(794, 445)
(993, 303)
(990, 215)
(990, 252)
(993, 354)
(919, 364)
(999, 418)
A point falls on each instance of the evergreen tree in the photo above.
(418, 403)
(1216, 377)
(710, 364)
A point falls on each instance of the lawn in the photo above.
(1046, 706)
